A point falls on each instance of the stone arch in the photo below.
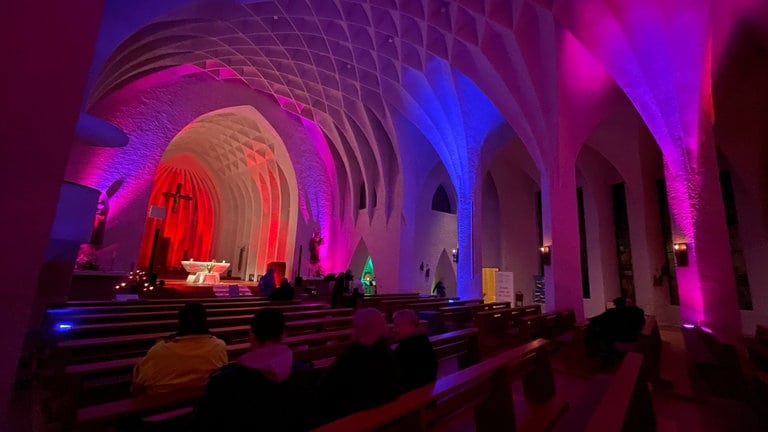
(359, 257)
(445, 271)
(442, 202)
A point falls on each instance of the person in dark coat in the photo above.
(439, 289)
(259, 390)
(337, 292)
(284, 292)
(267, 283)
(415, 354)
(365, 375)
(622, 323)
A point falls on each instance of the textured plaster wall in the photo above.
(434, 233)
(621, 149)
(596, 177)
(741, 96)
(516, 233)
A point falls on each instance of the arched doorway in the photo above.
(446, 272)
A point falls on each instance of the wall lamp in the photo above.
(455, 253)
(546, 254)
(681, 254)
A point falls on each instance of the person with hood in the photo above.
(182, 360)
(414, 352)
(365, 375)
(254, 392)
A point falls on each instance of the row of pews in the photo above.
(482, 397)
(90, 364)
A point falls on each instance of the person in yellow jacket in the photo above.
(182, 360)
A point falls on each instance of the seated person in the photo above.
(622, 323)
(415, 354)
(184, 359)
(255, 392)
(365, 375)
(267, 283)
(284, 292)
(634, 321)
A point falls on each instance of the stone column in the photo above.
(707, 284)
(560, 225)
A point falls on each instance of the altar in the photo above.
(204, 272)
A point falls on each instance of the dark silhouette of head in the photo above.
(619, 302)
(267, 325)
(192, 320)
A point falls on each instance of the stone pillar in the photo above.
(468, 278)
(707, 284)
(560, 223)
(48, 51)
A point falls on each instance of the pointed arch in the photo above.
(446, 272)
(441, 201)
(359, 257)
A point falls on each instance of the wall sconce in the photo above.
(681, 254)
(546, 254)
(455, 253)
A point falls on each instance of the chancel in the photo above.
(569, 197)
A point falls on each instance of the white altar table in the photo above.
(204, 272)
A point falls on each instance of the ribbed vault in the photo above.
(344, 64)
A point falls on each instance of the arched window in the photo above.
(441, 201)
(363, 204)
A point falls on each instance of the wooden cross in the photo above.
(177, 196)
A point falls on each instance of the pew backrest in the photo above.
(484, 387)
(446, 346)
(80, 330)
(627, 403)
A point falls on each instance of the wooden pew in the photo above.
(90, 383)
(82, 331)
(99, 349)
(757, 347)
(102, 318)
(714, 366)
(649, 345)
(498, 328)
(485, 388)
(104, 379)
(626, 405)
(459, 316)
(389, 307)
(461, 344)
(160, 307)
(372, 299)
(547, 326)
(91, 303)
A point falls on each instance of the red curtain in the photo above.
(188, 232)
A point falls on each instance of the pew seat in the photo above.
(485, 388)
(460, 345)
(626, 405)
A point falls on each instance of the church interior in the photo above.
(556, 154)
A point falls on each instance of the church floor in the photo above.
(677, 407)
